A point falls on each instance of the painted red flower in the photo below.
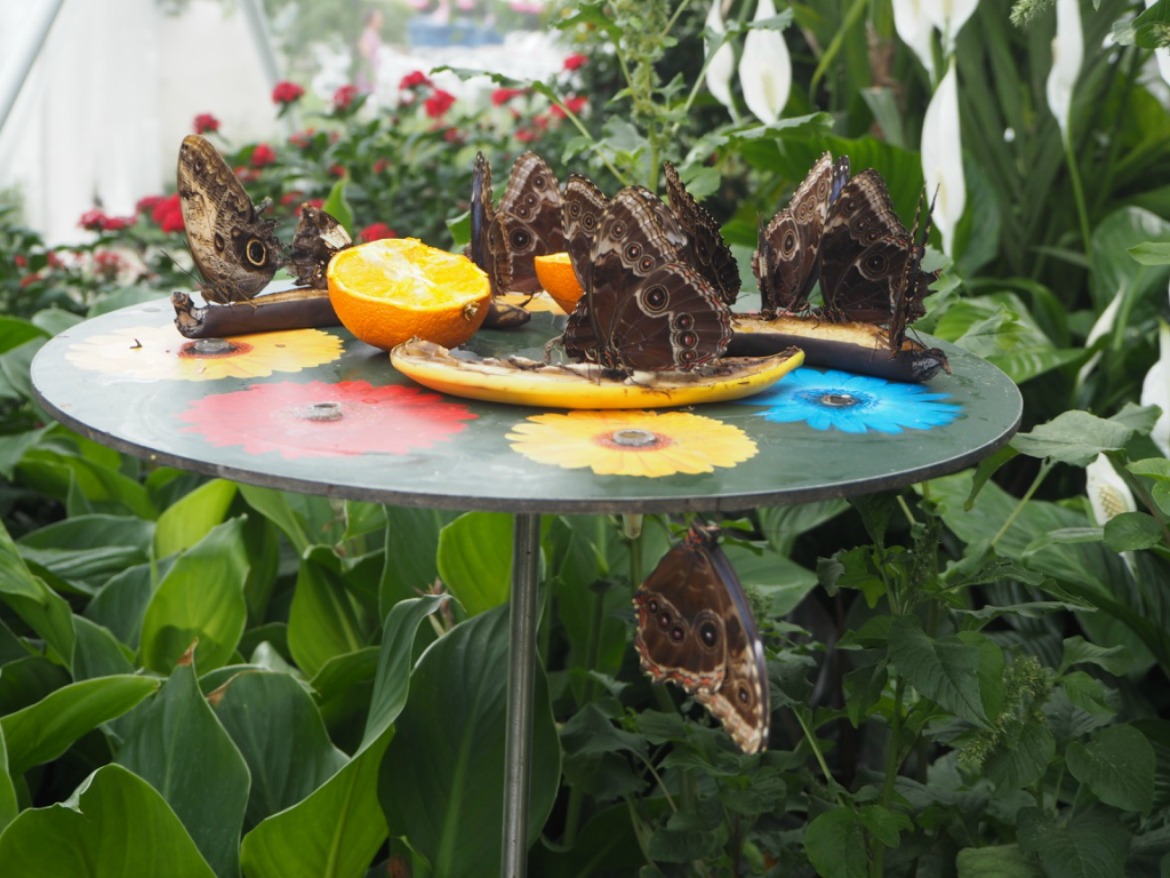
(377, 231)
(263, 155)
(438, 103)
(414, 79)
(167, 214)
(287, 93)
(319, 419)
(205, 122)
(575, 62)
(344, 97)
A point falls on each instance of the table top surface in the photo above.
(316, 411)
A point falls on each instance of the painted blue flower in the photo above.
(854, 403)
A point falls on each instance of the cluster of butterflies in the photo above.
(234, 248)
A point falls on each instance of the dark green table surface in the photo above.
(319, 412)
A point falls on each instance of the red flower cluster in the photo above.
(575, 62)
(107, 263)
(287, 93)
(97, 221)
(344, 97)
(165, 211)
(414, 79)
(501, 96)
(575, 104)
(438, 103)
(206, 122)
(376, 231)
(263, 155)
(302, 139)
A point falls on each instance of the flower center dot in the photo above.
(839, 400)
(634, 438)
(212, 346)
(322, 411)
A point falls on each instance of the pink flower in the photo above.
(376, 231)
(167, 214)
(263, 155)
(343, 98)
(438, 103)
(501, 96)
(206, 122)
(575, 62)
(414, 79)
(287, 93)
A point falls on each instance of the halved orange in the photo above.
(394, 289)
(556, 275)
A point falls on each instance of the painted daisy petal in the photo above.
(1156, 390)
(1068, 49)
(722, 63)
(765, 69)
(915, 30)
(942, 158)
(1108, 493)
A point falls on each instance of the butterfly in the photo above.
(582, 204)
(708, 251)
(317, 238)
(787, 258)
(235, 251)
(695, 629)
(526, 223)
(643, 307)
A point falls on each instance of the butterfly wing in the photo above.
(529, 219)
(487, 247)
(913, 286)
(234, 250)
(317, 238)
(708, 251)
(696, 629)
(582, 204)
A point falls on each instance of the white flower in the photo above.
(1162, 56)
(1156, 390)
(1068, 49)
(722, 63)
(1102, 326)
(765, 69)
(949, 16)
(942, 158)
(1108, 493)
(915, 30)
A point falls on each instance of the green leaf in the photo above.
(44, 730)
(835, 842)
(1131, 531)
(1117, 660)
(1151, 252)
(190, 519)
(38, 606)
(475, 559)
(449, 751)
(412, 542)
(97, 653)
(997, 861)
(1022, 759)
(1117, 764)
(324, 621)
(201, 598)
(946, 670)
(116, 824)
(1073, 437)
(208, 793)
(9, 806)
(337, 206)
(1093, 844)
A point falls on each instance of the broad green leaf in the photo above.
(608, 845)
(200, 599)
(997, 861)
(276, 725)
(1073, 437)
(1114, 271)
(9, 806)
(338, 828)
(1093, 844)
(44, 730)
(39, 607)
(305, 519)
(116, 824)
(448, 751)
(1117, 764)
(208, 793)
(15, 447)
(946, 670)
(1131, 531)
(1022, 759)
(337, 206)
(1114, 659)
(121, 604)
(106, 489)
(1153, 467)
(475, 559)
(1151, 252)
(324, 620)
(87, 550)
(835, 842)
(189, 520)
(412, 542)
(97, 653)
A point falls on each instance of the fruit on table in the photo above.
(556, 275)
(394, 289)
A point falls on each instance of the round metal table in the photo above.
(316, 411)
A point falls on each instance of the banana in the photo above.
(288, 309)
(521, 381)
(855, 347)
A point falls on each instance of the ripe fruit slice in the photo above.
(556, 275)
(520, 381)
(394, 289)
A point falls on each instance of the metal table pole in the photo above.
(521, 676)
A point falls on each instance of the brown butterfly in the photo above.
(708, 251)
(582, 204)
(317, 238)
(235, 251)
(787, 258)
(644, 307)
(695, 629)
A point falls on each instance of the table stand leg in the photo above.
(521, 676)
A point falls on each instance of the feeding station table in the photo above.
(316, 411)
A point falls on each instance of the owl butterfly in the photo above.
(906, 299)
(695, 629)
(234, 250)
(643, 307)
(582, 205)
(870, 265)
(786, 261)
(317, 238)
(708, 251)
(526, 223)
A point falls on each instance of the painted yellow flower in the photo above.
(154, 353)
(632, 443)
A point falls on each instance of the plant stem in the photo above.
(812, 743)
(1045, 468)
(891, 771)
(1078, 195)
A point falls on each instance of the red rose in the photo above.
(438, 103)
(206, 122)
(343, 98)
(575, 62)
(501, 96)
(376, 231)
(263, 155)
(414, 79)
(167, 214)
(286, 93)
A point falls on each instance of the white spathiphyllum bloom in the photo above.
(949, 16)
(942, 158)
(914, 29)
(722, 64)
(1068, 49)
(1162, 56)
(1156, 390)
(1108, 494)
(1103, 325)
(765, 68)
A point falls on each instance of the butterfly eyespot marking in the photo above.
(677, 634)
(218, 242)
(876, 263)
(618, 230)
(652, 606)
(520, 239)
(655, 298)
(684, 322)
(743, 694)
(688, 339)
(789, 243)
(709, 634)
(633, 251)
(665, 619)
(256, 252)
(687, 357)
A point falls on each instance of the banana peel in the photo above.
(863, 348)
(521, 381)
(290, 309)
